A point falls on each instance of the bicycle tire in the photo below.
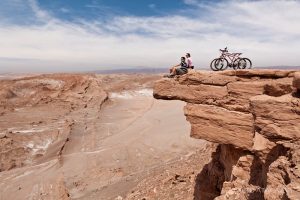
(235, 63)
(249, 61)
(212, 65)
(223, 65)
(244, 63)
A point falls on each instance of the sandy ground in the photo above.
(108, 151)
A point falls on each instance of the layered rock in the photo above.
(254, 116)
(36, 115)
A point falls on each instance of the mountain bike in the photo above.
(232, 60)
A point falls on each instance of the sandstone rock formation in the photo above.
(254, 116)
(296, 81)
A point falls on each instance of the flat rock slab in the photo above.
(220, 125)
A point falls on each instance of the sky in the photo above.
(87, 35)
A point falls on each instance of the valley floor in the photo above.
(66, 150)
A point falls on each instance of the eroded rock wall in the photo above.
(254, 116)
(36, 115)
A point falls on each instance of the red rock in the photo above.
(261, 73)
(206, 78)
(263, 165)
(277, 117)
(296, 80)
(242, 91)
(262, 146)
(278, 87)
(220, 125)
(171, 89)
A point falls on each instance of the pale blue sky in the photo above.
(69, 35)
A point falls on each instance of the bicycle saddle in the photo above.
(225, 50)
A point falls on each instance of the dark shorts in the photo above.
(180, 71)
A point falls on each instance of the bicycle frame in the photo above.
(230, 56)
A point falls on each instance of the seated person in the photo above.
(179, 69)
(189, 61)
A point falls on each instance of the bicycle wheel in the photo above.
(244, 63)
(249, 63)
(235, 63)
(221, 64)
(212, 65)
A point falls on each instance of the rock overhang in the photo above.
(230, 107)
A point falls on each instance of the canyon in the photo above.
(91, 136)
(86, 136)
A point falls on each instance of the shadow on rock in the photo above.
(210, 180)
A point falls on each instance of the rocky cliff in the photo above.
(254, 116)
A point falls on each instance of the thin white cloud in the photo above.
(64, 10)
(39, 13)
(191, 2)
(152, 6)
(264, 31)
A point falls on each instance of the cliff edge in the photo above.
(254, 116)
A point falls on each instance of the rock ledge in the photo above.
(254, 116)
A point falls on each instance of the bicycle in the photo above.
(236, 62)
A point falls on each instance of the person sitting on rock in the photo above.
(189, 61)
(178, 69)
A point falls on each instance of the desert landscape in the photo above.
(89, 136)
(150, 100)
(75, 136)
